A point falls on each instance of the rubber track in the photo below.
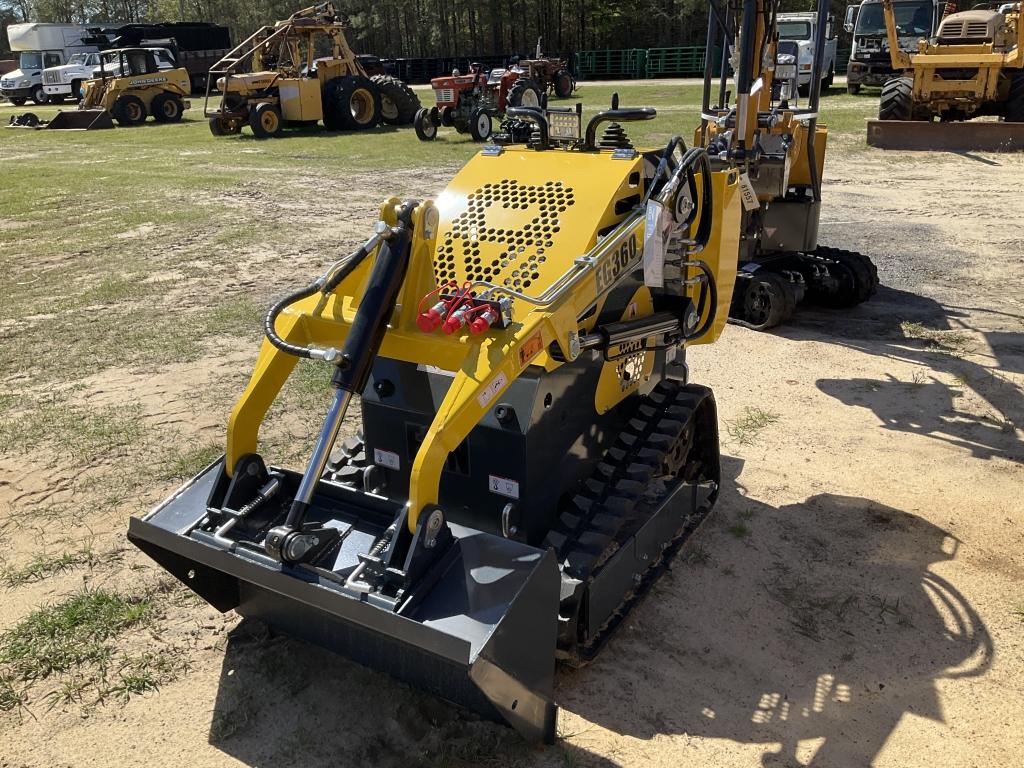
(625, 488)
(865, 273)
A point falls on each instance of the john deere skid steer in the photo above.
(532, 453)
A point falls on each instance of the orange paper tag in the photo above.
(530, 349)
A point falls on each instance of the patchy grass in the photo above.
(43, 566)
(189, 462)
(10, 697)
(72, 430)
(698, 555)
(739, 529)
(71, 633)
(747, 427)
(141, 674)
(955, 343)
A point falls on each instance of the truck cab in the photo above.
(26, 81)
(41, 47)
(66, 81)
(801, 29)
(870, 63)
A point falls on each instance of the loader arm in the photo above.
(900, 58)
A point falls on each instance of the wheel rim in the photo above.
(361, 106)
(759, 303)
(388, 108)
(529, 98)
(483, 125)
(134, 112)
(268, 121)
(170, 108)
(429, 129)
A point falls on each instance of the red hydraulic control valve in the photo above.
(483, 321)
(431, 320)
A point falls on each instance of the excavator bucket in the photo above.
(81, 120)
(970, 136)
(478, 629)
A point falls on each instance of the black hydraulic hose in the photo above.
(712, 295)
(277, 309)
(325, 285)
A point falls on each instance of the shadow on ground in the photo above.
(954, 357)
(830, 628)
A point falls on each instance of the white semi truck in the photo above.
(800, 28)
(40, 46)
(870, 63)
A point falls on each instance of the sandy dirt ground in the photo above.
(854, 600)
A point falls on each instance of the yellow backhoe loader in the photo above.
(973, 68)
(276, 78)
(778, 146)
(132, 85)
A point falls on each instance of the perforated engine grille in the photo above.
(505, 236)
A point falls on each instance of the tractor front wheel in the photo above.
(167, 108)
(222, 127)
(425, 128)
(129, 110)
(897, 102)
(265, 121)
(564, 85)
(480, 125)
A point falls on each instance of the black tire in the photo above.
(857, 276)
(265, 121)
(18, 101)
(425, 128)
(445, 115)
(853, 88)
(1014, 112)
(351, 103)
(564, 86)
(523, 93)
(480, 125)
(167, 108)
(129, 110)
(39, 96)
(221, 127)
(764, 302)
(830, 78)
(398, 103)
(76, 90)
(897, 102)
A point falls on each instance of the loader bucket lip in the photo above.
(969, 136)
(482, 633)
(81, 120)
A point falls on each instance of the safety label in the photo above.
(503, 486)
(387, 459)
(530, 349)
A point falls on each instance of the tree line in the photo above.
(425, 28)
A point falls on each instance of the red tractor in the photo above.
(469, 103)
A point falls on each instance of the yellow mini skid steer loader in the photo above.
(532, 454)
(133, 84)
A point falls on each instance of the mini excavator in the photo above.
(779, 148)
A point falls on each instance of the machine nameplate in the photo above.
(616, 262)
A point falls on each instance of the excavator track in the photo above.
(659, 446)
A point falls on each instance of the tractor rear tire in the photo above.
(897, 102)
(352, 103)
(398, 103)
(167, 108)
(523, 93)
(480, 125)
(564, 85)
(129, 110)
(265, 121)
(425, 128)
(1014, 112)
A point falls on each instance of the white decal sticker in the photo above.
(491, 390)
(655, 241)
(503, 486)
(387, 459)
(747, 193)
(434, 369)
